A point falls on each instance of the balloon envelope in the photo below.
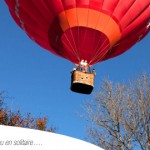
(93, 30)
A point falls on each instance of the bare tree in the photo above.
(15, 118)
(119, 115)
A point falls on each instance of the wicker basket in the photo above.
(82, 82)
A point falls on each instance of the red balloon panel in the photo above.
(94, 30)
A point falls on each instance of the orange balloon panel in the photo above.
(93, 30)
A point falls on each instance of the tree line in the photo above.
(16, 118)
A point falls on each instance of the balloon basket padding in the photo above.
(82, 82)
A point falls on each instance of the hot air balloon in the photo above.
(82, 31)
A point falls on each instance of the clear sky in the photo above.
(40, 81)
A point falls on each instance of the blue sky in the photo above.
(40, 81)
